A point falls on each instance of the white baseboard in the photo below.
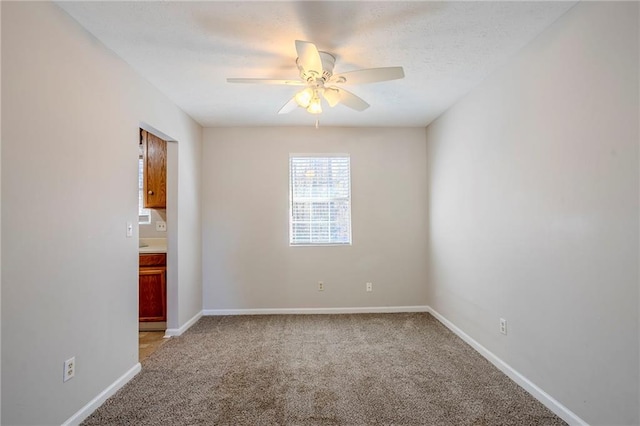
(551, 403)
(92, 405)
(171, 332)
(294, 311)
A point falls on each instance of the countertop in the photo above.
(152, 245)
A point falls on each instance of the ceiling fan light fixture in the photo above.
(332, 96)
(304, 97)
(315, 107)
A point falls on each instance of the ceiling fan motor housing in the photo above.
(328, 62)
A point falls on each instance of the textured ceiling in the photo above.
(188, 49)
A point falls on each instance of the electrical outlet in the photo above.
(69, 369)
(320, 286)
(161, 226)
(369, 287)
(503, 326)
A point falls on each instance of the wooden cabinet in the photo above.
(154, 155)
(152, 287)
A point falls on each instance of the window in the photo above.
(320, 199)
(144, 215)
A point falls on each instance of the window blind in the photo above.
(144, 215)
(320, 199)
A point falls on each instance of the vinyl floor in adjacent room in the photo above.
(365, 369)
(148, 343)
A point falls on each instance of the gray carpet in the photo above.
(367, 369)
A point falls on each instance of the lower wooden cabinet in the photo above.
(152, 287)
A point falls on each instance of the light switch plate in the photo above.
(161, 226)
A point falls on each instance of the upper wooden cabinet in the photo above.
(155, 170)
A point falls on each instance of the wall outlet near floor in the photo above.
(369, 287)
(69, 369)
(503, 326)
(320, 286)
(161, 226)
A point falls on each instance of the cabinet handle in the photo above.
(150, 192)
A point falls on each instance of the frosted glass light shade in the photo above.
(315, 107)
(304, 97)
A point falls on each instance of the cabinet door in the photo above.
(155, 171)
(152, 294)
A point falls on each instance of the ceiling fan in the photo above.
(316, 73)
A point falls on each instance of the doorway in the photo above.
(152, 232)
(158, 234)
(168, 237)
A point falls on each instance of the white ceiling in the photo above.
(188, 49)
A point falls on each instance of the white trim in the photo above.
(92, 405)
(551, 403)
(319, 154)
(293, 311)
(171, 332)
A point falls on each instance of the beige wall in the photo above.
(534, 212)
(149, 230)
(248, 262)
(71, 113)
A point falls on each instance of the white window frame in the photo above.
(294, 242)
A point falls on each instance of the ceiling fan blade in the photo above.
(352, 101)
(369, 75)
(289, 106)
(266, 81)
(308, 56)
